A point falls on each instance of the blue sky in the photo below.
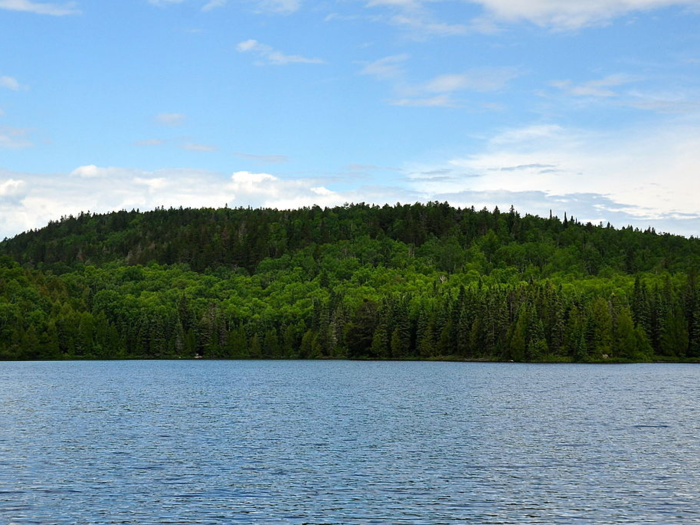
(590, 108)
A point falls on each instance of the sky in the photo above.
(590, 108)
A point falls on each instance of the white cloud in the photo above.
(559, 15)
(387, 68)
(97, 172)
(265, 190)
(529, 134)
(424, 25)
(245, 180)
(214, 4)
(12, 188)
(280, 7)
(202, 148)
(357, 167)
(650, 173)
(481, 79)
(439, 101)
(153, 184)
(10, 83)
(38, 8)
(161, 3)
(170, 119)
(413, 16)
(437, 92)
(272, 56)
(571, 14)
(14, 138)
(594, 179)
(678, 102)
(149, 142)
(586, 207)
(32, 200)
(276, 7)
(405, 4)
(248, 45)
(595, 88)
(2, 113)
(89, 171)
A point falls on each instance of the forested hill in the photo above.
(442, 236)
(358, 281)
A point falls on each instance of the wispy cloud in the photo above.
(423, 25)
(352, 18)
(559, 15)
(369, 167)
(568, 14)
(595, 88)
(273, 7)
(404, 4)
(10, 83)
(387, 68)
(414, 17)
(201, 148)
(263, 159)
(624, 90)
(664, 101)
(439, 101)
(214, 4)
(14, 138)
(149, 142)
(278, 7)
(40, 8)
(162, 3)
(269, 55)
(183, 143)
(438, 91)
(170, 119)
(479, 79)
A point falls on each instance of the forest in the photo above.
(409, 281)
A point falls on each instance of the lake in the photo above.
(208, 442)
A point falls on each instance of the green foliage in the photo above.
(409, 281)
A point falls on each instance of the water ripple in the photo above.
(342, 442)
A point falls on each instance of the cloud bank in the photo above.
(536, 168)
(32, 200)
(630, 176)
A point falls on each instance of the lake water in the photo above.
(195, 442)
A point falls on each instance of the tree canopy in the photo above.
(419, 281)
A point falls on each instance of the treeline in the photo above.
(403, 282)
(444, 236)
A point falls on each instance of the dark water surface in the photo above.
(348, 442)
